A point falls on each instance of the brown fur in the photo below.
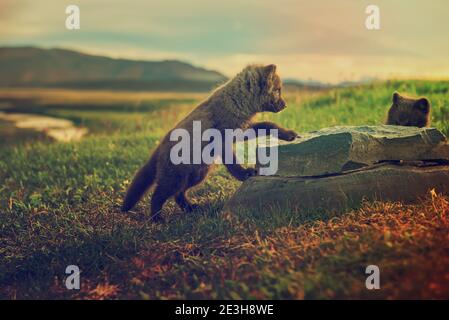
(409, 112)
(231, 106)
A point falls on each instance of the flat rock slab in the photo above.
(340, 149)
(339, 193)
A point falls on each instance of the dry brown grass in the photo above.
(320, 259)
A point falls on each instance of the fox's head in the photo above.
(262, 85)
(409, 112)
(270, 87)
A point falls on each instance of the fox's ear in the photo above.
(270, 69)
(423, 105)
(267, 73)
(396, 97)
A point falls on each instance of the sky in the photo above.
(324, 40)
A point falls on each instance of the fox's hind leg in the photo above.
(194, 179)
(184, 202)
(163, 191)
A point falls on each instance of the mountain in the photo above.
(36, 67)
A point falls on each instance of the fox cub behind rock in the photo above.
(231, 106)
(409, 112)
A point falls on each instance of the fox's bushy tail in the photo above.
(142, 181)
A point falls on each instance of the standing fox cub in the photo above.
(409, 112)
(231, 106)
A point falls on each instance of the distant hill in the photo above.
(317, 85)
(36, 67)
(290, 83)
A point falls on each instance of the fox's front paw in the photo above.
(289, 135)
(247, 173)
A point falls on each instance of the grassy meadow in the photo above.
(59, 206)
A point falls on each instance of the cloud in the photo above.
(322, 39)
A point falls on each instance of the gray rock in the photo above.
(339, 149)
(339, 193)
(335, 169)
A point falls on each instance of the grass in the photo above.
(59, 205)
